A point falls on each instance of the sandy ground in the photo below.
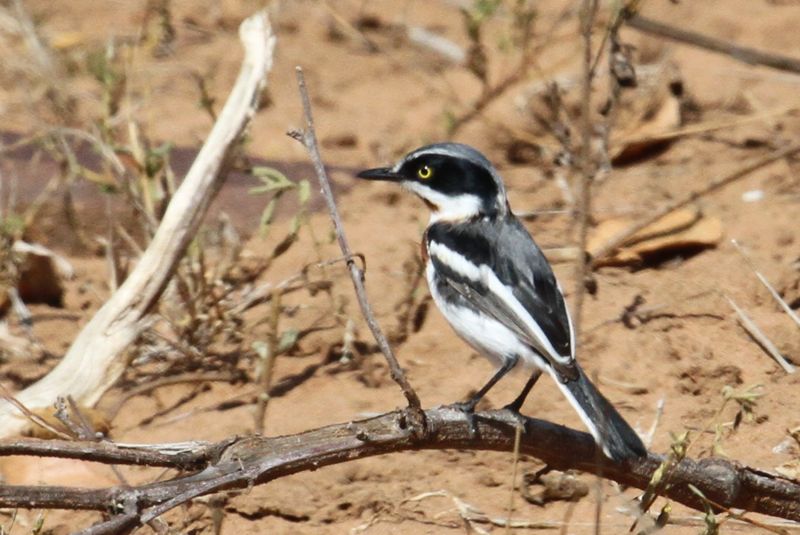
(372, 106)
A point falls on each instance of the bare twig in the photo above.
(181, 455)
(587, 166)
(762, 339)
(773, 292)
(309, 139)
(31, 416)
(190, 377)
(491, 93)
(267, 355)
(751, 56)
(621, 238)
(253, 460)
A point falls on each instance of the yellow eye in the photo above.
(425, 172)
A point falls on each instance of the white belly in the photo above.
(487, 335)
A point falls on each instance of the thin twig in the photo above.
(775, 295)
(759, 336)
(31, 416)
(267, 356)
(308, 138)
(751, 56)
(517, 433)
(492, 93)
(622, 237)
(587, 167)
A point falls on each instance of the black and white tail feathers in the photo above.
(606, 425)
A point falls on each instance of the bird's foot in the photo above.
(518, 419)
(468, 408)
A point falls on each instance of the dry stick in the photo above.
(752, 329)
(182, 455)
(517, 433)
(34, 418)
(267, 364)
(622, 237)
(491, 94)
(587, 169)
(773, 292)
(247, 461)
(189, 377)
(308, 138)
(96, 357)
(751, 56)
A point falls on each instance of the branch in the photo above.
(96, 358)
(253, 460)
(751, 56)
(588, 169)
(308, 138)
(183, 455)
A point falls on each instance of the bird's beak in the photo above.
(381, 173)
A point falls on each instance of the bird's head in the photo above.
(455, 180)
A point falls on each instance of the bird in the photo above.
(493, 284)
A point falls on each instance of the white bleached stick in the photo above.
(97, 356)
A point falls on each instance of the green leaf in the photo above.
(272, 180)
(288, 340)
(266, 216)
(304, 192)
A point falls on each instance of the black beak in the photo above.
(380, 173)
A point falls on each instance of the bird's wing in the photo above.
(499, 270)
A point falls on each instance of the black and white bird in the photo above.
(495, 287)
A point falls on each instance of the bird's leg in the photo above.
(468, 407)
(516, 405)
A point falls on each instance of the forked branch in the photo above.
(254, 460)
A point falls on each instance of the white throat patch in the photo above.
(448, 207)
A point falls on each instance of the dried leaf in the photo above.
(648, 136)
(41, 274)
(678, 230)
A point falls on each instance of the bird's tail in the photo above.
(606, 425)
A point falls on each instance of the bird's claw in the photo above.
(468, 408)
(513, 411)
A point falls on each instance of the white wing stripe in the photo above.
(504, 293)
(455, 261)
(483, 273)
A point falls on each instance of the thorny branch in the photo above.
(308, 138)
(252, 460)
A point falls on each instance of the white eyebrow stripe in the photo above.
(484, 274)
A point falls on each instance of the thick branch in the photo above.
(96, 358)
(256, 460)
